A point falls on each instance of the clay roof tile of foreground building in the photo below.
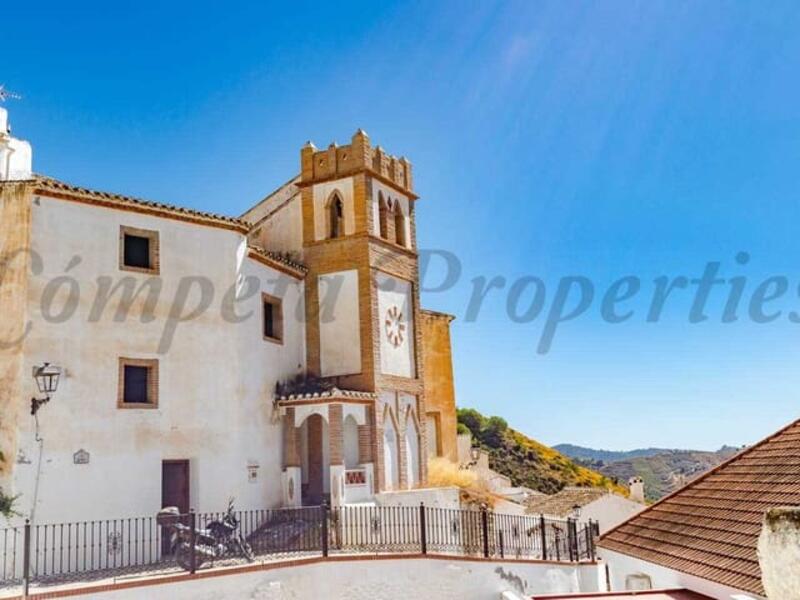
(710, 527)
(562, 503)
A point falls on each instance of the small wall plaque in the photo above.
(81, 457)
(252, 472)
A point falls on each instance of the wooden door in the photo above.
(174, 492)
(175, 484)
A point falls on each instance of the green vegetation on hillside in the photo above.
(663, 473)
(524, 460)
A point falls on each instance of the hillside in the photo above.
(524, 460)
(662, 472)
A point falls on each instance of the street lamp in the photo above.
(576, 511)
(46, 376)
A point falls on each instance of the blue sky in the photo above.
(549, 139)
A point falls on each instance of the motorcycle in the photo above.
(220, 538)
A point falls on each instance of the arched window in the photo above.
(383, 216)
(336, 217)
(399, 225)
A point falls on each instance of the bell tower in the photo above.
(15, 154)
(362, 296)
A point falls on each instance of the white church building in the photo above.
(276, 357)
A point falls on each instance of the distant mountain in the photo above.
(583, 453)
(524, 460)
(663, 470)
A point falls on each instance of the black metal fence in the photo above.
(53, 553)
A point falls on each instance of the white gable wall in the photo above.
(283, 230)
(610, 510)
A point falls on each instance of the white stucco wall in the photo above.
(393, 294)
(609, 511)
(216, 378)
(322, 193)
(779, 553)
(390, 579)
(444, 497)
(283, 231)
(620, 566)
(339, 324)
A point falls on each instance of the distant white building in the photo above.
(607, 508)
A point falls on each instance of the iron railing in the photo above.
(59, 552)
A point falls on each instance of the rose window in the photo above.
(395, 328)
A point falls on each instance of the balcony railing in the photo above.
(44, 554)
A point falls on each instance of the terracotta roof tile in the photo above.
(561, 503)
(710, 528)
(276, 260)
(47, 185)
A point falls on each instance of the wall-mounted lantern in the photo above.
(46, 376)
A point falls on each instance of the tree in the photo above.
(472, 419)
(493, 431)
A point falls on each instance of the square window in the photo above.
(138, 383)
(272, 318)
(135, 390)
(139, 250)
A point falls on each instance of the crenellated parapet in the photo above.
(341, 161)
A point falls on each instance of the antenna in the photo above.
(5, 94)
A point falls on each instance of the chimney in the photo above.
(636, 487)
(15, 155)
(779, 553)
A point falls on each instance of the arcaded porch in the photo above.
(328, 441)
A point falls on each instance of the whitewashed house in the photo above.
(603, 507)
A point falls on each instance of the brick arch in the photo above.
(384, 208)
(335, 215)
(400, 234)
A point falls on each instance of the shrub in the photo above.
(472, 420)
(7, 505)
(494, 430)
